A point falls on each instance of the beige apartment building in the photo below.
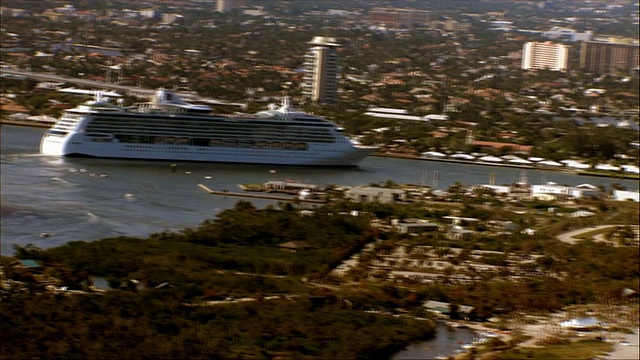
(545, 55)
(609, 57)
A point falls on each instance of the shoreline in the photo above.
(27, 123)
(622, 176)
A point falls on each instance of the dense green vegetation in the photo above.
(233, 257)
(242, 239)
(225, 289)
(156, 325)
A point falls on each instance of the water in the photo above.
(88, 199)
(100, 282)
(446, 342)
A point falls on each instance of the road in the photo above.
(572, 237)
(129, 90)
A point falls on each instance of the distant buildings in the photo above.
(320, 83)
(452, 25)
(567, 34)
(400, 17)
(546, 55)
(224, 6)
(375, 194)
(609, 57)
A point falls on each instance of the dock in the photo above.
(260, 196)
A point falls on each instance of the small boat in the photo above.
(44, 234)
(441, 357)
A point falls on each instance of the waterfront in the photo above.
(446, 342)
(88, 199)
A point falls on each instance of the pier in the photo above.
(260, 196)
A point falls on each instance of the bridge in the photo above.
(101, 85)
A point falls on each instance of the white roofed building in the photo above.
(630, 169)
(625, 195)
(575, 164)
(390, 113)
(546, 55)
(433, 155)
(554, 191)
(498, 189)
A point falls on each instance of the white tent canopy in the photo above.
(433, 154)
(509, 157)
(607, 167)
(519, 161)
(549, 163)
(581, 323)
(575, 164)
(462, 156)
(490, 158)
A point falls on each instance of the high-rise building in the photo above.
(606, 57)
(321, 72)
(224, 5)
(546, 55)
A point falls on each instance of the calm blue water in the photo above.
(88, 199)
(446, 342)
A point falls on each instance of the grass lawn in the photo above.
(585, 349)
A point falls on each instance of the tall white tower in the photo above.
(224, 6)
(546, 55)
(321, 71)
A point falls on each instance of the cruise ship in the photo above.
(168, 128)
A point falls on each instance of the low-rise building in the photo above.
(294, 246)
(375, 194)
(557, 192)
(415, 228)
(459, 233)
(444, 308)
(625, 195)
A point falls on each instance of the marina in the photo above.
(510, 161)
(260, 196)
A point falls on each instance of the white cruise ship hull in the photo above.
(316, 155)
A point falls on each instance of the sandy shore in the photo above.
(625, 348)
(628, 349)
